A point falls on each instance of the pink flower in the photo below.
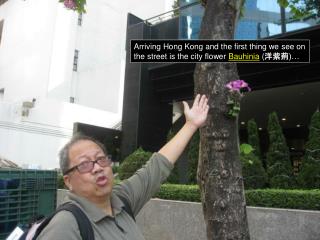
(237, 85)
(70, 4)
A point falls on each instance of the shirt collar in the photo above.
(92, 211)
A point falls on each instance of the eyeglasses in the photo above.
(87, 166)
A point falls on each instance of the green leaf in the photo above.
(283, 3)
(246, 148)
(236, 108)
(230, 102)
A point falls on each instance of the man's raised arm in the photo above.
(195, 117)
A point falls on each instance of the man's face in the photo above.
(95, 185)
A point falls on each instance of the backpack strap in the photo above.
(127, 207)
(84, 224)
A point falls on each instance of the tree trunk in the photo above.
(219, 169)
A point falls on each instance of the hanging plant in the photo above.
(236, 89)
(75, 5)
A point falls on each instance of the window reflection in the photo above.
(261, 19)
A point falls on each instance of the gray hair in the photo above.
(64, 152)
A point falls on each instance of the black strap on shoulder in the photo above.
(84, 224)
(127, 207)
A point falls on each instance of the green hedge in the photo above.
(132, 163)
(189, 193)
(275, 198)
(279, 198)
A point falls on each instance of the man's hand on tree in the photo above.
(196, 115)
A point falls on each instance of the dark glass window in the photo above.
(1, 28)
(75, 60)
(80, 19)
(1, 94)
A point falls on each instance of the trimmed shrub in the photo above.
(309, 175)
(179, 192)
(279, 168)
(279, 198)
(132, 163)
(254, 175)
(275, 198)
(253, 137)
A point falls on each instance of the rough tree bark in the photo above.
(219, 169)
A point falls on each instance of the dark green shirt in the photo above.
(138, 189)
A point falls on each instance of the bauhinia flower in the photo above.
(237, 85)
(70, 4)
(75, 5)
(235, 96)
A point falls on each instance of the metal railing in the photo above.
(168, 15)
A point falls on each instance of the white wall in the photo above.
(35, 140)
(61, 54)
(36, 61)
(101, 43)
(25, 43)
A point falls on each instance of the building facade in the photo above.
(291, 90)
(58, 68)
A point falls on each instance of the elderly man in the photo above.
(88, 174)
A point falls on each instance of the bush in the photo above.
(253, 173)
(275, 198)
(309, 175)
(174, 176)
(253, 137)
(279, 168)
(133, 162)
(115, 169)
(60, 182)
